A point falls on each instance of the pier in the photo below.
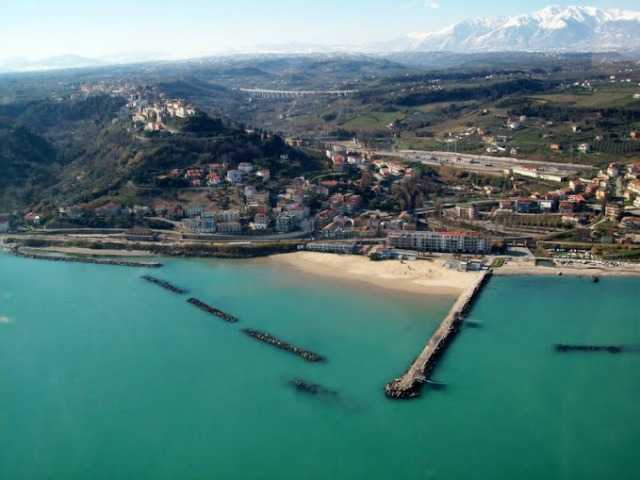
(213, 311)
(282, 345)
(164, 284)
(94, 261)
(411, 383)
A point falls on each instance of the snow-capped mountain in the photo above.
(550, 29)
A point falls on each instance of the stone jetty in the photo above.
(282, 345)
(213, 311)
(89, 260)
(164, 284)
(563, 348)
(303, 386)
(411, 383)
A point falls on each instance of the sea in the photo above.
(106, 376)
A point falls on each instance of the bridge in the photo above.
(265, 93)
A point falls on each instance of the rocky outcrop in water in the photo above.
(213, 311)
(303, 386)
(164, 284)
(282, 345)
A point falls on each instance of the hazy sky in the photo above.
(97, 28)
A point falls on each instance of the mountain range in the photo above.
(552, 29)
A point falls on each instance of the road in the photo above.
(480, 163)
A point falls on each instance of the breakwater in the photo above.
(282, 345)
(94, 261)
(563, 348)
(213, 311)
(164, 284)
(304, 386)
(410, 384)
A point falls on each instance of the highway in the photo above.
(480, 163)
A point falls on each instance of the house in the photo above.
(584, 148)
(264, 174)
(526, 205)
(213, 179)
(576, 186)
(614, 170)
(286, 222)
(614, 211)
(634, 187)
(260, 222)
(234, 176)
(245, 167)
(250, 191)
(4, 223)
(108, 210)
(32, 218)
(548, 205)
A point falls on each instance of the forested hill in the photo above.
(63, 152)
(27, 162)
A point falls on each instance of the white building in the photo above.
(452, 242)
(234, 176)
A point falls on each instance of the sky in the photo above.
(36, 29)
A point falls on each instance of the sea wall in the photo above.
(94, 261)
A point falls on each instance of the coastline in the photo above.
(529, 269)
(425, 277)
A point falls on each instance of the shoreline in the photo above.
(530, 270)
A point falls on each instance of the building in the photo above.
(450, 242)
(229, 228)
(264, 174)
(245, 167)
(614, 211)
(234, 176)
(260, 222)
(634, 187)
(228, 216)
(584, 148)
(286, 222)
(4, 223)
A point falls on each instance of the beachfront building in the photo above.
(450, 242)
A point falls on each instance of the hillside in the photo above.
(27, 161)
(64, 152)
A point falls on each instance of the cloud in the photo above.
(432, 4)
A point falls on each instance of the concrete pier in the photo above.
(410, 384)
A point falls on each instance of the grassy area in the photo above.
(372, 121)
(606, 98)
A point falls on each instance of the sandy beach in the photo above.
(428, 277)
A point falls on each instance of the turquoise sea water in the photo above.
(104, 376)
